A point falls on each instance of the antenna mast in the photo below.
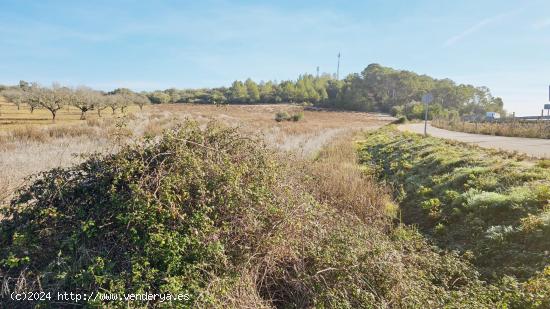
(338, 68)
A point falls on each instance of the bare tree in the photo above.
(52, 99)
(15, 96)
(32, 97)
(141, 100)
(125, 99)
(113, 101)
(100, 103)
(82, 98)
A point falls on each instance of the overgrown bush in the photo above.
(401, 120)
(166, 216)
(281, 116)
(297, 117)
(213, 214)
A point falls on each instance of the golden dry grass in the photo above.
(31, 144)
(531, 129)
(339, 181)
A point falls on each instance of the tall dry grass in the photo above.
(338, 180)
(531, 129)
(27, 148)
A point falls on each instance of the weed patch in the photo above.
(468, 199)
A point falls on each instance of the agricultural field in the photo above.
(30, 143)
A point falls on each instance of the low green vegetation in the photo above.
(491, 207)
(214, 214)
(282, 116)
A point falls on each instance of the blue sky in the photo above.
(147, 45)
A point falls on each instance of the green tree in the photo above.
(267, 92)
(287, 91)
(174, 94)
(252, 91)
(238, 92)
(159, 97)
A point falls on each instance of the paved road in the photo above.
(532, 146)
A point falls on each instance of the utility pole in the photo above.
(427, 99)
(426, 120)
(338, 68)
(317, 71)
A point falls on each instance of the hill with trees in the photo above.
(375, 89)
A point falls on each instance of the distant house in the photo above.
(492, 116)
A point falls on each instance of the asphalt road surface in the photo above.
(531, 146)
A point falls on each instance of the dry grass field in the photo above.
(31, 143)
(530, 129)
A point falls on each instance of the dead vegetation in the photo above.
(28, 146)
(531, 129)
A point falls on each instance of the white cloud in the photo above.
(473, 29)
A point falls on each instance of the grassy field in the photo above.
(33, 143)
(532, 129)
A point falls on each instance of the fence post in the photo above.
(540, 121)
(513, 122)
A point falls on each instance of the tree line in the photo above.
(306, 88)
(375, 89)
(85, 99)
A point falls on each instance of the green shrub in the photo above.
(401, 120)
(297, 117)
(282, 116)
